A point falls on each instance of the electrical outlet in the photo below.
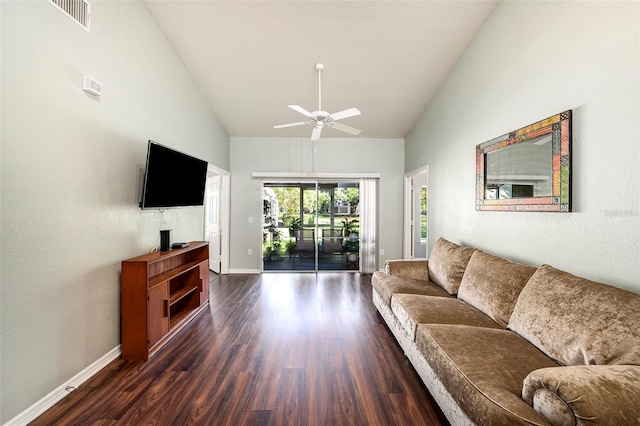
(250, 219)
(381, 252)
(250, 252)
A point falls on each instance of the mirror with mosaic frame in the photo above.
(528, 169)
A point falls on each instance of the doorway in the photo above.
(311, 226)
(216, 218)
(416, 189)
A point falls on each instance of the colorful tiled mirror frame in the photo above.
(558, 128)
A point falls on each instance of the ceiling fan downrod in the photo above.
(319, 68)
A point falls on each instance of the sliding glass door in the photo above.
(311, 226)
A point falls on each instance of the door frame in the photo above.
(224, 214)
(407, 244)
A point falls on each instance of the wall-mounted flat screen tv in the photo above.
(172, 179)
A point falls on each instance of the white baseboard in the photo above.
(61, 391)
(245, 271)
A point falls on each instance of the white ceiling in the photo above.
(253, 58)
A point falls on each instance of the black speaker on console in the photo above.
(165, 240)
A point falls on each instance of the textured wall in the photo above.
(529, 61)
(70, 169)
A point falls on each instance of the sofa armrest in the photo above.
(408, 268)
(585, 394)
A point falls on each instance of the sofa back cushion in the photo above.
(492, 284)
(447, 264)
(577, 321)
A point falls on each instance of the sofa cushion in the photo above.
(388, 285)
(577, 321)
(483, 370)
(447, 263)
(492, 284)
(414, 309)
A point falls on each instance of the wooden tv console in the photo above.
(160, 293)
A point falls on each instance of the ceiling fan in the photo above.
(321, 118)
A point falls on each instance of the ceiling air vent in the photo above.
(79, 11)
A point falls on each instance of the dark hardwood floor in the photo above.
(273, 349)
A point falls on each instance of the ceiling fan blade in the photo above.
(345, 128)
(282, 126)
(301, 110)
(315, 135)
(351, 112)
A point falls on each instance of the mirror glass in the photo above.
(521, 170)
(528, 169)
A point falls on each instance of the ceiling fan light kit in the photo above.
(321, 118)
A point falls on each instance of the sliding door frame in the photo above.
(317, 179)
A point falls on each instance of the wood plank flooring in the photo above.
(273, 349)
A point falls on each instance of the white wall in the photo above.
(70, 169)
(248, 155)
(529, 61)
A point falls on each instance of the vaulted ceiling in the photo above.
(253, 58)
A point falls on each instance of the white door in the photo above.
(212, 222)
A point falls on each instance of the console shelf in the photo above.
(160, 293)
(177, 296)
(172, 273)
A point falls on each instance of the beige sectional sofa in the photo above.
(500, 343)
